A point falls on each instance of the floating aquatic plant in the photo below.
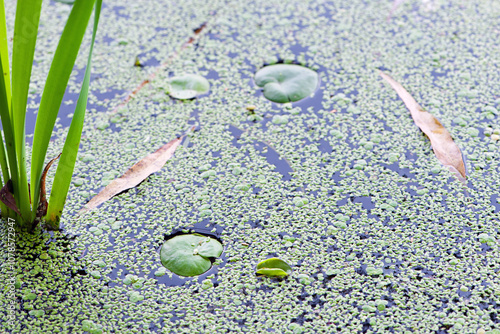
(189, 254)
(187, 86)
(273, 267)
(286, 82)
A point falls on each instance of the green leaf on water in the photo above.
(210, 248)
(286, 82)
(273, 267)
(189, 254)
(187, 86)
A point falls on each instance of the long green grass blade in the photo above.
(55, 86)
(4, 110)
(4, 54)
(67, 161)
(5, 92)
(25, 34)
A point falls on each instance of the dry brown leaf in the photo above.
(135, 174)
(42, 205)
(7, 198)
(443, 145)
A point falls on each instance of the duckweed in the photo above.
(428, 245)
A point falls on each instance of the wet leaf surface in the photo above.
(273, 267)
(187, 86)
(286, 82)
(189, 254)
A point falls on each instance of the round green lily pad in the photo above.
(273, 267)
(187, 86)
(189, 254)
(286, 82)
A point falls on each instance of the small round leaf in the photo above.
(188, 255)
(284, 83)
(187, 86)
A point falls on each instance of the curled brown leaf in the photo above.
(444, 147)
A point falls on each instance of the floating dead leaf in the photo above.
(443, 145)
(136, 174)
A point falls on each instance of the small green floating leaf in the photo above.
(37, 313)
(372, 271)
(300, 201)
(160, 272)
(31, 296)
(187, 86)
(135, 297)
(304, 279)
(207, 284)
(188, 255)
(284, 83)
(95, 273)
(369, 308)
(242, 187)
(485, 238)
(273, 267)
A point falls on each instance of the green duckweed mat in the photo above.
(341, 185)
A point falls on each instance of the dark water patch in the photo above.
(439, 73)
(272, 157)
(324, 146)
(106, 96)
(337, 177)
(495, 201)
(211, 75)
(146, 60)
(107, 39)
(402, 171)
(196, 121)
(366, 202)
(275, 159)
(120, 11)
(298, 49)
(236, 134)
